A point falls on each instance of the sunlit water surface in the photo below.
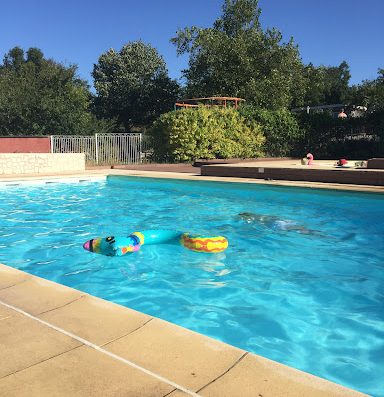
(302, 281)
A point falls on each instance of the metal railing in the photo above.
(101, 149)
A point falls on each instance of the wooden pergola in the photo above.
(223, 101)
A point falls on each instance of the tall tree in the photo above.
(326, 85)
(14, 59)
(370, 93)
(237, 57)
(40, 96)
(133, 85)
(336, 83)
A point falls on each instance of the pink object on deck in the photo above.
(310, 158)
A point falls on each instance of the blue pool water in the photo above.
(302, 281)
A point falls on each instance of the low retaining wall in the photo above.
(201, 162)
(376, 163)
(355, 177)
(41, 163)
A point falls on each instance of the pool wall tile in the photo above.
(96, 320)
(186, 357)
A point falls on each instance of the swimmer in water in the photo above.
(274, 222)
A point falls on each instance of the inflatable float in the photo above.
(119, 245)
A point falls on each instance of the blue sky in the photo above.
(79, 31)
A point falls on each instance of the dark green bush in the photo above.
(354, 138)
(188, 134)
(280, 128)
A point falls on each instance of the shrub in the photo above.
(280, 128)
(187, 134)
(352, 138)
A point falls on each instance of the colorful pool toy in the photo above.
(119, 245)
(204, 244)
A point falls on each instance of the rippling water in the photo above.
(302, 281)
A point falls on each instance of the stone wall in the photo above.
(41, 163)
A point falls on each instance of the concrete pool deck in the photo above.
(57, 341)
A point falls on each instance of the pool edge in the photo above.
(104, 173)
(170, 356)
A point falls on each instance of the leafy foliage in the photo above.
(236, 57)
(352, 138)
(187, 134)
(40, 96)
(280, 128)
(370, 93)
(326, 85)
(132, 85)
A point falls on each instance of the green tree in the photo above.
(326, 85)
(14, 59)
(336, 83)
(39, 96)
(370, 93)
(237, 57)
(133, 85)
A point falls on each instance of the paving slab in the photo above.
(82, 372)
(37, 295)
(256, 376)
(5, 312)
(24, 342)
(96, 320)
(186, 357)
(10, 277)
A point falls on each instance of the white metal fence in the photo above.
(101, 149)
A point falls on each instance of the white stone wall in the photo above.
(41, 163)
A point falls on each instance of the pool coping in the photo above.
(48, 328)
(163, 358)
(104, 173)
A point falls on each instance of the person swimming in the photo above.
(274, 222)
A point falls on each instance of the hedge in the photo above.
(352, 138)
(281, 130)
(187, 134)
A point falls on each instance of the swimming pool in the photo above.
(301, 282)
